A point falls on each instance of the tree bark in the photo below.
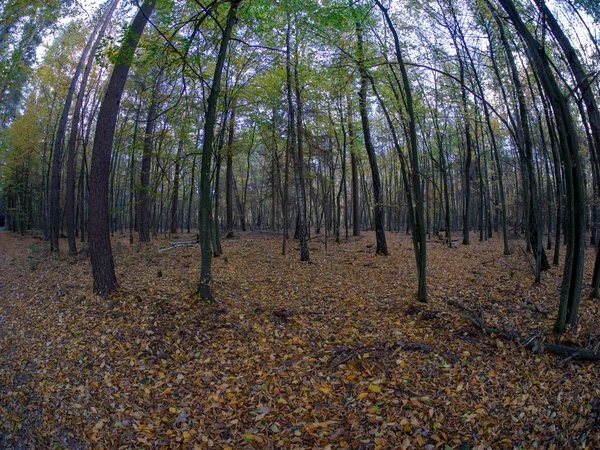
(176, 178)
(364, 116)
(103, 270)
(525, 147)
(144, 189)
(59, 138)
(229, 178)
(204, 287)
(296, 149)
(584, 84)
(419, 227)
(569, 148)
(72, 145)
(131, 173)
(354, 171)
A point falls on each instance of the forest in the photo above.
(361, 224)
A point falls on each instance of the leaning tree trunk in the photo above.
(59, 138)
(419, 228)
(570, 296)
(103, 269)
(525, 146)
(72, 146)
(584, 83)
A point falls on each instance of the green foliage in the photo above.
(22, 25)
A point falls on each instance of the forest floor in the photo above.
(334, 353)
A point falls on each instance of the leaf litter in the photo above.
(332, 354)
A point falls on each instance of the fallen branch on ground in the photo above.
(266, 252)
(343, 354)
(178, 244)
(532, 343)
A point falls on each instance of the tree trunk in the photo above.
(296, 150)
(217, 250)
(584, 84)
(103, 269)
(204, 287)
(468, 153)
(131, 172)
(175, 197)
(72, 146)
(354, 169)
(144, 189)
(229, 178)
(57, 157)
(419, 227)
(364, 116)
(569, 148)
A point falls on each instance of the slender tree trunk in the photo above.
(131, 173)
(192, 184)
(377, 188)
(419, 226)
(144, 189)
(72, 145)
(525, 147)
(444, 169)
(59, 138)
(496, 153)
(204, 287)
(569, 149)
(354, 172)
(468, 156)
(176, 180)
(81, 197)
(229, 178)
(296, 149)
(217, 250)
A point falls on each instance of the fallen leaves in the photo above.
(294, 355)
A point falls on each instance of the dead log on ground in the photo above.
(532, 343)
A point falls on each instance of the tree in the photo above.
(103, 270)
(59, 137)
(144, 189)
(569, 149)
(418, 222)
(584, 84)
(525, 146)
(295, 146)
(229, 175)
(97, 34)
(204, 287)
(22, 25)
(378, 210)
(354, 171)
